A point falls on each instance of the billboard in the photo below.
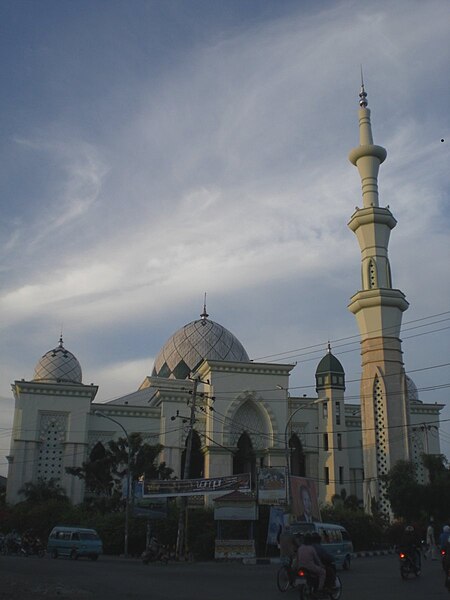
(196, 487)
(275, 527)
(148, 508)
(272, 485)
(304, 501)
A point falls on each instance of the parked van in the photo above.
(74, 542)
(335, 539)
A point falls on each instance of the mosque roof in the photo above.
(202, 339)
(58, 366)
(329, 364)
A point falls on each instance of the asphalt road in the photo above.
(371, 578)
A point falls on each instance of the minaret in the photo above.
(333, 448)
(378, 309)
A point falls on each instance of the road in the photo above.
(371, 578)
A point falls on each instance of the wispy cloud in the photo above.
(225, 170)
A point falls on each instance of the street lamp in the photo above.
(286, 444)
(98, 413)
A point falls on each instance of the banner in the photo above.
(272, 485)
(276, 524)
(149, 508)
(196, 487)
(305, 505)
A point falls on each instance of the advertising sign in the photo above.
(275, 528)
(149, 508)
(272, 485)
(196, 487)
(305, 505)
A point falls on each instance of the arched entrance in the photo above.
(197, 463)
(296, 457)
(244, 460)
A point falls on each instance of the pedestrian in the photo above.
(431, 541)
(443, 538)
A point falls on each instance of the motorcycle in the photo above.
(33, 548)
(155, 552)
(407, 566)
(307, 583)
(446, 568)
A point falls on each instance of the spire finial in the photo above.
(362, 94)
(61, 344)
(329, 347)
(204, 314)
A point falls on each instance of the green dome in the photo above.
(329, 372)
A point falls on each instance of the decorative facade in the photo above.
(244, 416)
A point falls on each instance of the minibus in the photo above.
(74, 542)
(335, 539)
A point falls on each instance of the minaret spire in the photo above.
(367, 156)
(204, 314)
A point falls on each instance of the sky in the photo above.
(152, 151)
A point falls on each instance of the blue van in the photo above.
(74, 542)
(335, 539)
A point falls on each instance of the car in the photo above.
(74, 542)
(335, 539)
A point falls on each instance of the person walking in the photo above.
(431, 541)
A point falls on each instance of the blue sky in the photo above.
(154, 151)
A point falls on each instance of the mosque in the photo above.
(240, 411)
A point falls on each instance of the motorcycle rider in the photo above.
(410, 545)
(307, 558)
(326, 559)
(443, 538)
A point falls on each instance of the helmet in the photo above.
(409, 529)
(446, 529)
(316, 539)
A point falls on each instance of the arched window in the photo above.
(244, 461)
(373, 279)
(197, 465)
(296, 457)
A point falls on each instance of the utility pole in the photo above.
(181, 536)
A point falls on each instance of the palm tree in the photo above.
(43, 490)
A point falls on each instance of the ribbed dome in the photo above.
(329, 364)
(413, 394)
(329, 372)
(193, 343)
(58, 365)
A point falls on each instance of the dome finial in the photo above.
(329, 347)
(204, 314)
(362, 94)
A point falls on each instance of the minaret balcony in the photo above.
(372, 215)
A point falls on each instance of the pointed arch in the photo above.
(297, 458)
(244, 460)
(253, 415)
(197, 462)
(372, 274)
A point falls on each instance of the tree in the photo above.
(106, 468)
(43, 491)
(403, 492)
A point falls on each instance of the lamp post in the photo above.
(98, 413)
(286, 445)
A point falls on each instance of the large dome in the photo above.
(193, 343)
(58, 365)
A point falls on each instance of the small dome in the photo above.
(413, 394)
(58, 365)
(193, 343)
(329, 372)
(329, 364)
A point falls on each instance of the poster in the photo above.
(272, 485)
(276, 524)
(304, 501)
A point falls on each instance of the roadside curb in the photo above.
(275, 560)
